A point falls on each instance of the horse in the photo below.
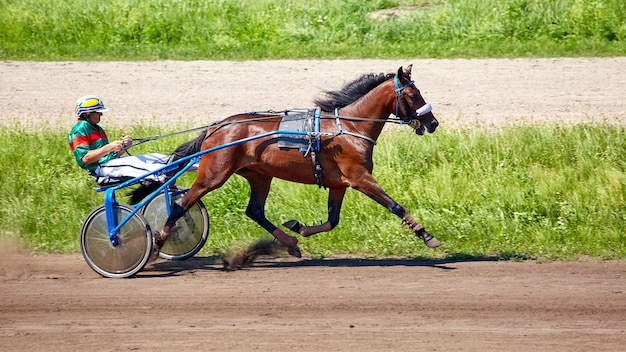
(359, 110)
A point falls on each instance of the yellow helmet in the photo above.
(89, 103)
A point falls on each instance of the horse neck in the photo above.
(377, 105)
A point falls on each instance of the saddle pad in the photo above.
(298, 122)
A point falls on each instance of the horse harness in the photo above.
(409, 119)
(308, 121)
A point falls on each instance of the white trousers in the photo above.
(131, 166)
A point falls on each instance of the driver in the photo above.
(101, 158)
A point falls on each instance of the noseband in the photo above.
(419, 112)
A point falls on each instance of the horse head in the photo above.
(410, 105)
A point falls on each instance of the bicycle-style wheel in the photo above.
(132, 251)
(189, 234)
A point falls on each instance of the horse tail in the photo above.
(189, 148)
(186, 149)
(141, 192)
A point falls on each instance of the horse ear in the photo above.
(407, 71)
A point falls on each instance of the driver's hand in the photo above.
(127, 141)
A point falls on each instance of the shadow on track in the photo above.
(215, 263)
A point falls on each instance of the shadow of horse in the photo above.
(215, 263)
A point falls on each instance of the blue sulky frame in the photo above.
(109, 191)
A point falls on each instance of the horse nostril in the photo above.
(435, 124)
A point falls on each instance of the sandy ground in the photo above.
(193, 93)
(56, 303)
(339, 304)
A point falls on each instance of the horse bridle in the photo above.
(419, 112)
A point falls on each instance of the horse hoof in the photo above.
(432, 243)
(154, 255)
(158, 241)
(294, 252)
(429, 240)
(293, 225)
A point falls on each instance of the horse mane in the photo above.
(351, 91)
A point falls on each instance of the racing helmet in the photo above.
(89, 103)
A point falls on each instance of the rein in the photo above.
(216, 124)
(137, 141)
(319, 116)
(323, 116)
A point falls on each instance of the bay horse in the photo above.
(359, 110)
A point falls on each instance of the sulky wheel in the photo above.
(133, 248)
(189, 234)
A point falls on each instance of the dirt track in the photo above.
(57, 303)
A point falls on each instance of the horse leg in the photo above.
(259, 190)
(178, 210)
(335, 199)
(367, 185)
(204, 183)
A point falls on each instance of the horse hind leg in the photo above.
(204, 183)
(178, 210)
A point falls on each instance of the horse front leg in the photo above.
(335, 199)
(368, 186)
(259, 190)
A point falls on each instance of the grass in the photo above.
(298, 29)
(521, 192)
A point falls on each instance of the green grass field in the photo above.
(527, 192)
(550, 192)
(321, 29)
